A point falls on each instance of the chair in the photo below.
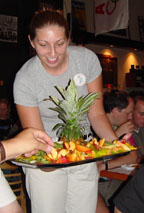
(13, 174)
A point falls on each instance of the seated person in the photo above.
(138, 120)
(5, 122)
(119, 108)
(131, 197)
(9, 125)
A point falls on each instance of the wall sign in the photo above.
(8, 28)
(141, 27)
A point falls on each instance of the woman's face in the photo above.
(50, 44)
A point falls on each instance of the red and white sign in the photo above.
(111, 15)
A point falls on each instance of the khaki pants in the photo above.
(65, 190)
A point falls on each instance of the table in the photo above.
(120, 173)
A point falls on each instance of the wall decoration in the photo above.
(8, 28)
(78, 15)
(51, 4)
(109, 69)
(141, 27)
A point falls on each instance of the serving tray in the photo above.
(62, 165)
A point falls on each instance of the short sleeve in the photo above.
(24, 92)
(93, 65)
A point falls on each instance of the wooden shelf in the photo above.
(83, 37)
(135, 79)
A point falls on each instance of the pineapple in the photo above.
(71, 111)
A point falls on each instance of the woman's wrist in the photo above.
(11, 147)
(2, 152)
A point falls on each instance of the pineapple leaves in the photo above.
(87, 102)
(58, 125)
(71, 111)
(55, 100)
(61, 90)
(72, 92)
(61, 112)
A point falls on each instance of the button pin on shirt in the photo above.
(79, 79)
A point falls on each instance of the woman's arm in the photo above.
(29, 117)
(97, 116)
(131, 158)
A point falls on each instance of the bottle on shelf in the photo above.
(132, 69)
(142, 68)
(138, 68)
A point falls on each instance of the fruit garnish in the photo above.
(71, 110)
(74, 151)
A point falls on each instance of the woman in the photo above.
(72, 189)
(27, 141)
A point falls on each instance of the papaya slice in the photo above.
(81, 148)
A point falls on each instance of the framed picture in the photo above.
(8, 28)
(109, 70)
(78, 15)
(141, 27)
(51, 4)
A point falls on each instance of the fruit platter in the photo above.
(71, 149)
(73, 153)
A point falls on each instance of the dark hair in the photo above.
(43, 18)
(114, 99)
(138, 98)
(134, 93)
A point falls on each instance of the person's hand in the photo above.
(127, 136)
(124, 129)
(28, 141)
